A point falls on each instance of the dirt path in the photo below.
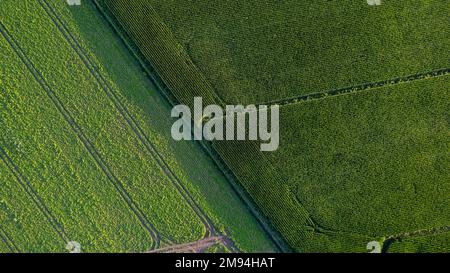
(197, 246)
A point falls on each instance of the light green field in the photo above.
(50, 156)
(87, 197)
(218, 248)
(4, 249)
(18, 219)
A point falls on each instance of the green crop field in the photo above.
(86, 149)
(342, 170)
(438, 243)
(18, 216)
(364, 126)
(260, 51)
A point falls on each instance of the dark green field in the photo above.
(362, 166)
(364, 118)
(259, 51)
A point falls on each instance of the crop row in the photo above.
(163, 52)
(361, 87)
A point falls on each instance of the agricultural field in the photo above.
(364, 95)
(422, 244)
(262, 51)
(17, 216)
(345, 167)
(85, 149)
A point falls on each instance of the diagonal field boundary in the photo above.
(418, 233)
(130, 120)
(360, 87)
(275, 238)
(352, 89)
(8, 241)
(26, 185)
(82, 137)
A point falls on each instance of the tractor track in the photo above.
(130, 120)
(8, 241)
(82, 137)
(26, 185)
